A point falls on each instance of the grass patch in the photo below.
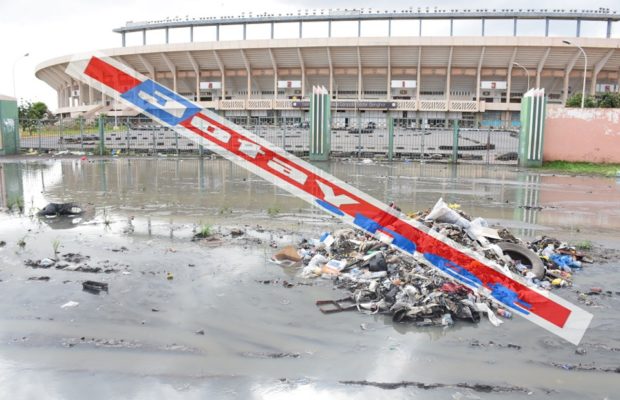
(582, 168)
(205, 231)
(584, 245)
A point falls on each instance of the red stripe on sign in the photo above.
(540, 305)
(110, 76)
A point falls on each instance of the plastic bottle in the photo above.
(504, 313)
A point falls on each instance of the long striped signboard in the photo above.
(331, 194)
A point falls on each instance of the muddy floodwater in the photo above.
(193, 320)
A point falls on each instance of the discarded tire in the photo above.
(526, 256)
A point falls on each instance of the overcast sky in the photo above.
(48, 29)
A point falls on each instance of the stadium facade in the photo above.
(422, 66)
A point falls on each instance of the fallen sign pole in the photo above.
(336, 197)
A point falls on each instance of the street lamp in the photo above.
(585, 68)
(14, 65)
(526, 73)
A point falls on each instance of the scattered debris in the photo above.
(94, 287)
(287, 257)
(57, 209)
(70, 304)
(477, 387)
(39, 278)
(380, 279)
(270, 355)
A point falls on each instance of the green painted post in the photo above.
(101, 135)
(320, 125)
(531, 138)
(390, 124)
(455, 141)
(9, 126)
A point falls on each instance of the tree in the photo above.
(603, 100)
(609, 100)
(30, 114)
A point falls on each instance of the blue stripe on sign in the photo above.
(453, 270)
(401, 241)
(366, 223)
(509, 298)
(329, 207)
(161, 102)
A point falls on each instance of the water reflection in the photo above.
(190, 188)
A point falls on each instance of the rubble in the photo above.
(381, 279)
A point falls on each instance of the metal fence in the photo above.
(387, 138)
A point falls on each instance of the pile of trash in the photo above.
(381, 279)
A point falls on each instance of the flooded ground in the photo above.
(216, 329)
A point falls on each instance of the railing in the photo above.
(283, 104)
(463, 106)
(260, 104)
(407, 105)
(433, 105)
(232, 105)
(357, 135)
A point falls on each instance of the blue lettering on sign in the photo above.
(401, 241)
(509, 298)
(372, 226)
(453, 270)
(329, 207)
(366, 223)
(161, 102)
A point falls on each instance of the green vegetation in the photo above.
(584, 245)
(205, 231)
(603, 100)
(273, 211)
(582, 168)
(31, 115)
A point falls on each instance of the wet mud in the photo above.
(214, 317)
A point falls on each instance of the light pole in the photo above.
(526, 73)
(585, 69)
(14, 65)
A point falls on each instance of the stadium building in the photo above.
(422, 66)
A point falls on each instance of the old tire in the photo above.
(525, 255)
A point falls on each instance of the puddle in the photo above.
(199, 333)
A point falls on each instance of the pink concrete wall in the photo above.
(573, 134)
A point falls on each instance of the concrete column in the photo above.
(389, 27)
(482, 26)
(191, 34)
(514, 27)
(578, 27)
(123, 39)
(198, 86)
(546, 27)
(167, 35)
(217, 33)
(451, 26)
(272, 29)
(144, 37)
(245, 31)
(329, 28)
(419, 74)
(608, 28)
